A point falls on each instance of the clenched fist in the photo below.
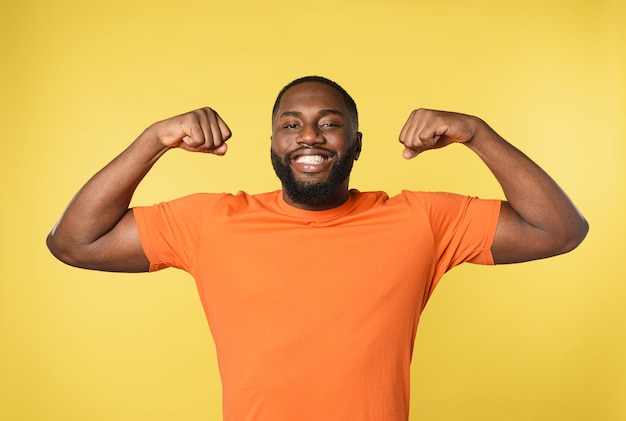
(201, 130)
(430, 129)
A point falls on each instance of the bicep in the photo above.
(518, 241)
(127, 253)
(118, 250)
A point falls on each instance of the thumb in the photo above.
(220, 150)
(409, 153)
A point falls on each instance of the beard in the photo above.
(313, 193)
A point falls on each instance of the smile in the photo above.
(310, 159)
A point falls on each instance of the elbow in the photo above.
(61, 250)
(575, 235)
(583, 230)
(55, 248)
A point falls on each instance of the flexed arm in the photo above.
(97, 230)
(538, 219)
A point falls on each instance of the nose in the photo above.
(310, 135)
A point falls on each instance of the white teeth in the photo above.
(310, 159)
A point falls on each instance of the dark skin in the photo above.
(98, 231)
(314, 125)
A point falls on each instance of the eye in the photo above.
(290, 126)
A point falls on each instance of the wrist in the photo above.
(483, 134)
(149, 144)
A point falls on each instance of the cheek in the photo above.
(278, 148)
(281, 142)
(342, 144)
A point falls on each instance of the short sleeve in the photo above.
(463, 227)
(171, 231)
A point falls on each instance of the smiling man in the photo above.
(314, 147)
(313, 293)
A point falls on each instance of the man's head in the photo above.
(349, 102)
(315, 141)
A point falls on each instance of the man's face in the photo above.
(314, 144)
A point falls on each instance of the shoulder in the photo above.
(445, 207)
(202, 200)
(406, 198)
(430, 199)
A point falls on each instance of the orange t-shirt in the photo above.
(314, 313)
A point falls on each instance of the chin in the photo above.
(318, 188)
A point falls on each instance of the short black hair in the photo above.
(347, 99)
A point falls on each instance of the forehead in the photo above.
(311, 95)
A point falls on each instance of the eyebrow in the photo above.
(322, 112)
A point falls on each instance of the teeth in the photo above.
(310, 159)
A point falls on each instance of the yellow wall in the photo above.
(80, 79)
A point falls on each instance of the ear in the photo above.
(358, 143)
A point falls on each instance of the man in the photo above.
(313, 293)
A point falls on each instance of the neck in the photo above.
(338, 198)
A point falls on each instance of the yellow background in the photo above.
(81, 79)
